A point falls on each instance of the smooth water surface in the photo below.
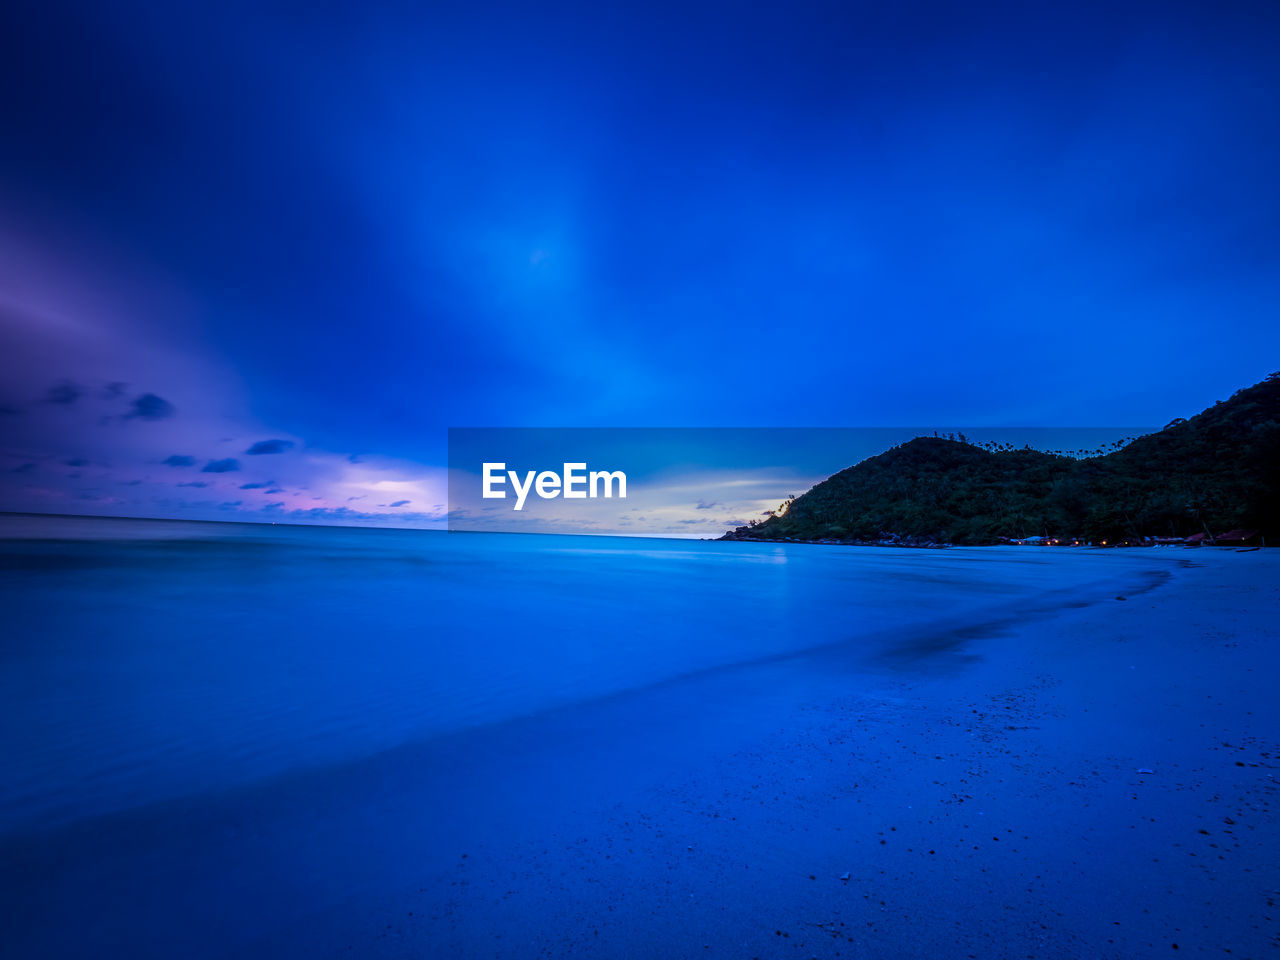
(146, 660)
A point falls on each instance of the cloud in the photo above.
(150, 407)
(179, 460)
(253, 486)
(328, 513)
(114, 389)
(400, 503)
(704, 505)
(229, 465)
(274, 490)
(64, 393)
(25, 468)
(194, 483)
(271, 446)
(76, 462)
(347, 514)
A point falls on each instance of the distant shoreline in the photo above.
(931, 545)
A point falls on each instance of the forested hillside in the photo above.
(1216, 471)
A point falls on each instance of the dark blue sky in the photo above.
(355, 226)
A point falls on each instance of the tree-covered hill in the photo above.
(1216, 471)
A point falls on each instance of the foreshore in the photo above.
(1094, 778)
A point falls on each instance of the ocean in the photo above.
(169, 688)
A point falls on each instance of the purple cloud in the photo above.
(270, 446)
(228, 465)
(150, 407)
(178, 460)
(64, 393)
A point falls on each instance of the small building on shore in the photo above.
(1238, 538)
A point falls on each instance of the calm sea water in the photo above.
(148, 660)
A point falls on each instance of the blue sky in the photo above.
(353, 227)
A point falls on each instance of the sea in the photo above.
(198, 712)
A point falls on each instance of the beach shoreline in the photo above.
(990, 805)
(980, 789)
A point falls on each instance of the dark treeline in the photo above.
(1216, 471)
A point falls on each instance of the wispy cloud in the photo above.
(150, 407)
(64, 393)
(270, 446)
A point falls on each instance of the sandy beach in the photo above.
(992, 806)
(984, 793)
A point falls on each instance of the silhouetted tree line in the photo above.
(1216, 471)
